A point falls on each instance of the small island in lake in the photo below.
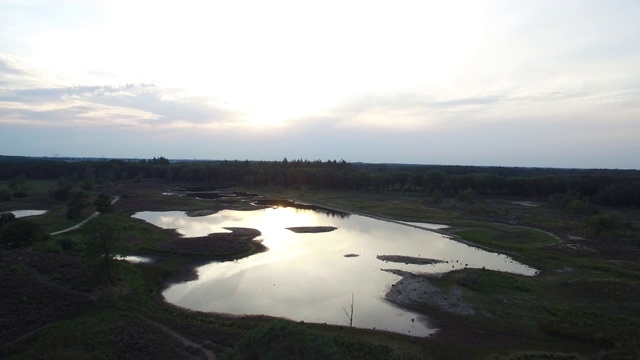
(311, 229)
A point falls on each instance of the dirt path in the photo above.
(79, 225)
(186, 342)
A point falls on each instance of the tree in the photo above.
(6, 218)
(103, 243)
(349, 314)
(20, 233)
(79, 202)
(605, 223)
(103, 204)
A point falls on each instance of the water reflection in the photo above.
(426, 225)
(25, 213)
(134, 259)
(306, 276)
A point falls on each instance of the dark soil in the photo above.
(139, 339)
(32, 299)
(240, 240)
(311, 229)
(408, 259)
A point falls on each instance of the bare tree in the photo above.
(349, 314)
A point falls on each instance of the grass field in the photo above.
(583, 303)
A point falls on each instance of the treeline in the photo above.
(598, 186)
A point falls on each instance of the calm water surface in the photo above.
(306, 277)
(25, 213)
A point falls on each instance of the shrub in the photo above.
(436, 197)
(21, 233)
(6, 218)
(607, 222)
(467, 196)
(50, 246)
(70, 245)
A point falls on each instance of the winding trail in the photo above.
(79, 225)
(186, 342)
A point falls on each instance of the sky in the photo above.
(496, 83)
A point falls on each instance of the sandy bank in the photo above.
(414, 289)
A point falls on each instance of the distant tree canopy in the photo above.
(595, 186)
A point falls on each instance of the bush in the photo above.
(50, 246)
(21, 233)
(6, 218)
(436, 197)
(467, 196)
(70, 245)
(607, 222)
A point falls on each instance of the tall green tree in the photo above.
(79, 202)
(103, 203)
(103, 242)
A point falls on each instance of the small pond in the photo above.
(25, 213)
(134, 259)
(307, 277)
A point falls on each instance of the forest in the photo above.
(604, 187)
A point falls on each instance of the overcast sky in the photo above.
(509, 83)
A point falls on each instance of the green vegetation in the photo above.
(20, 233)
(103, 203)
(583, 303)
(281, 340)
(102, 243)
(573, 189)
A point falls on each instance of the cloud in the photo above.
(131, 104)
(8, 68)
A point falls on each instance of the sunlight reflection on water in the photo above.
(25, 213)
(306, 277)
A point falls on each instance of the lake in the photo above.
(306, 276)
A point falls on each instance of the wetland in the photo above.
(306, 276)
